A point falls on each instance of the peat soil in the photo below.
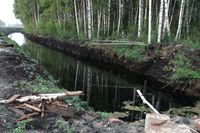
(151, 67)
(15, 67)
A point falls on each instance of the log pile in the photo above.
(35, 105)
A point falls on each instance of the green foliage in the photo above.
(40, 85)
(181, 67)
(104, 115)
(77, 103)
(16, 46)
(129, 105)
(21, 126)
(190, 43)
(130, 52)
(64, 126)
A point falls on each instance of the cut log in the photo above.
(43, 97)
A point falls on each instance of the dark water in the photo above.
(103, 90)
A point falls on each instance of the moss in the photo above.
(185, 111)
(119, 114)
(129, 105)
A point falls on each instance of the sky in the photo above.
(6, 12)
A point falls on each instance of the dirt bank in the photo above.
(160, 65)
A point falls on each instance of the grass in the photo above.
(181, 67)
(191, 44)
(77, 103)
(21, 126)
(104, 115)
(129, 52)
(40, 85)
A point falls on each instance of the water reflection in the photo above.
(17, 37)
(103, 90)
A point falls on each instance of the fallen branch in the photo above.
(32, 107)
(146, 102)
(27, 116)
(42, 97)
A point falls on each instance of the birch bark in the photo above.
(160, 24)
(178, 33)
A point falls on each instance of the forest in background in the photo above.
(150, 21)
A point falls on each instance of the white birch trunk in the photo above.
(76, 18)
(89, 17)
(166, 20)
(160, 24)
(119, 17)
(178, 33)
(84, 19)
(108, 26)
(140, 18)
(150, 17)
(99, 22)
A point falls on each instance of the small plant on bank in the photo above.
(64, 126)
(77, 103)
(104, 115)
(21, 126)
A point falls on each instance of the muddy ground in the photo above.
(151, 67)
(15, 67)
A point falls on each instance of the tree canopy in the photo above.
(164, 20)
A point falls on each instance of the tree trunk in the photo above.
(120, 16)
(166, 20)
(160, 21)
(108, 26)
(178, 33)
(150, 17)
(89, 17)
(76, 18)
(140, 18)
(99, 22)
(84, 19)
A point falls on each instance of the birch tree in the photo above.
(76, 18)
(140, 18)
(160, 24)
(89, 18)
(119, 15)
(178, 33)
(150, 17)
(166, 20)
